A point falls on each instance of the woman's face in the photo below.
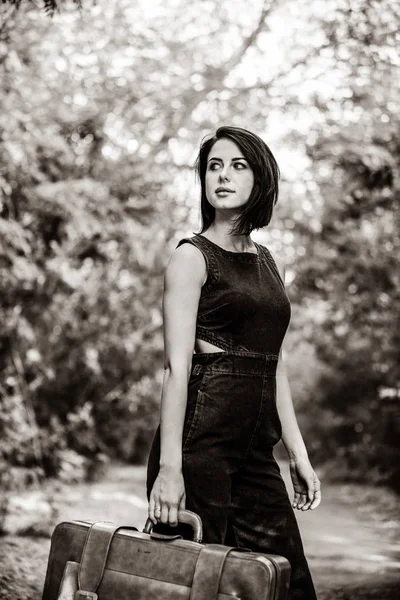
(229, 178)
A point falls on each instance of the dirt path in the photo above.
(353, 547)
(353, 550)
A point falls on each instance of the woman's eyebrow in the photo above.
(220, 159)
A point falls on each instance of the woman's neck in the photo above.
(219, 234)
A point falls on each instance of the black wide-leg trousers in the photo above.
(232, 480)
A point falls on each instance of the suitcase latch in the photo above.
(82, 595)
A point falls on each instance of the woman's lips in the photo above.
(223, 191)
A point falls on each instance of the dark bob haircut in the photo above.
(257, 211)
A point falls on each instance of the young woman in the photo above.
(224, 407)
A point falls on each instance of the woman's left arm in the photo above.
(307, 487)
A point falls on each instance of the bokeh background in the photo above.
(101, 114)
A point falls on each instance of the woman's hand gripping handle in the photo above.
(167, 497)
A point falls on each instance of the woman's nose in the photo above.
(224, 174)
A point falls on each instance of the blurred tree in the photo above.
(49, 6)
(350, 273)
(88, 207)
(101, 114)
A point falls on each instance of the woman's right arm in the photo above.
(184, 277)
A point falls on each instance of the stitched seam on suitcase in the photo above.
(161, 581)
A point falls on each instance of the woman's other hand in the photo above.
(167, 497)
(307, 486)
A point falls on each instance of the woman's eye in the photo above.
(237, 166)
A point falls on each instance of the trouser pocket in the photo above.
(193, 404)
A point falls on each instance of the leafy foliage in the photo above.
(49, 6)
(350, 276)
(359, 288)
(101, 116)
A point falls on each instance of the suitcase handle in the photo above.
(184, 516)
(163, 536)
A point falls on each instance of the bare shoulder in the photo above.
(187, 264)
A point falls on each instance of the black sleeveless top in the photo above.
(243, 304)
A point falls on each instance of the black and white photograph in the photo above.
(199, 300)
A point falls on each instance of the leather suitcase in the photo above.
(102, 561)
